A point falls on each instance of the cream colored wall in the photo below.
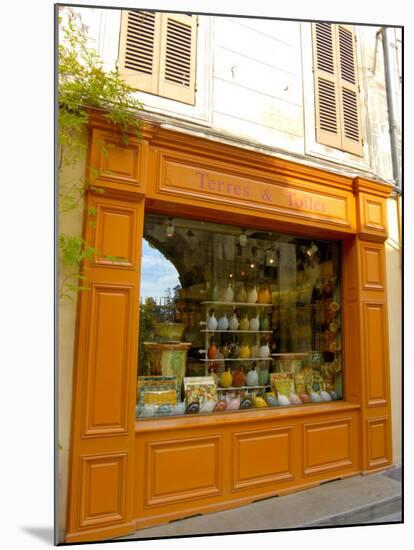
(394, 274)
(70, 224)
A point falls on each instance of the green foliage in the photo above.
(84, 84)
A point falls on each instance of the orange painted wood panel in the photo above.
(116, 233)
(103, 489)
(327, 446)
(372, 216)
(376, 353)
(185, 469)
(213, 184)
(262, 457)
(108, 361)
(117, 165)
(379, 445)
(373, 266)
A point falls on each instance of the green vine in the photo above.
(84, 84)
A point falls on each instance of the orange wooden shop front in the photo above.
(127, 474)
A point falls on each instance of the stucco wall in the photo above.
(71, 224)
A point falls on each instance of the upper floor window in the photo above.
(336, 87)
(157, 53)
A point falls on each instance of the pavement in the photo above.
(358, 500)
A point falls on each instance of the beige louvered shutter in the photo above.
(139, 49)
(328, 131)
(178, 57)
(348, 91)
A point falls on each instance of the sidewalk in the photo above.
(361, 499)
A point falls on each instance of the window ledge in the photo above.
(144, 425)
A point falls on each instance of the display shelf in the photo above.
(290, 354)
(236, 359)
(244, 304)
(241, 331)
(233, 388)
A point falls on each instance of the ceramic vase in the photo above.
(252, 295)
(239, 378)
(212, 350)
(252, 378)
(264, 323)
(224, 351)
(233, 404)
(244, 351)
(228, 294)
(223, 323)
(264, 351)
(212, 321)
(244, 323)
(254, 351)
(263, 374)
(226, 379)
(264, 296)
(241, 295)
(254, 323)
(233, 322)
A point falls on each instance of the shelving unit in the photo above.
(237, 304)
(236, 359)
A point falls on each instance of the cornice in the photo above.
(372, 187)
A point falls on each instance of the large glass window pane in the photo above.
(234, 319)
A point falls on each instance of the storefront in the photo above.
(233, 345)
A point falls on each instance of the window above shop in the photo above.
(235, 319)
(157, 53)
(337, 103)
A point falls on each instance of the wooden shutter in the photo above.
(348, 91)
(178, 53)
(157, 53)
(139, 49)
(336, 87)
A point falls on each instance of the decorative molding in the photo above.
(376, 353)
(196, 472)
(319, 456)
(262, 457)
(102, 489)
(373, 266)
(105, 394)
(379, 445)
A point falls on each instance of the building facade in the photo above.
(269, 145)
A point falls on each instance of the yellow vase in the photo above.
(226, 379)
(244, 351)
(264, 296)
(259, 402)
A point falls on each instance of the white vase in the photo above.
(254, 323)
(252, 295)
(233, 322)
(223, 323)
(212, 322)
(264, 351)
(252, 378)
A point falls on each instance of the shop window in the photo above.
(234, 319)
(157, 53)
(336, 87)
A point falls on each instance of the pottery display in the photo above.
(208, 406)
(241, 295)
(305, 398)
(223, 322)
(234, 351)
(264, 323)
(239, 378)
(295, 399)
(193, 408)
(224, 351)
(264, 351)
(212, 321)
(228, 294)
(325, 396)
(254, 323)
(226, 379)
(252, 378)
(244, 351)
(246, 402)
(271, 400)
(252, 296)
(233, 402)
(264, 296)
(283, 400)
(254, 351)
(258, 402)
(263, 374)
(244, 323)
(220, 406)
(212, 350)
(233, 322)
(169, 332)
